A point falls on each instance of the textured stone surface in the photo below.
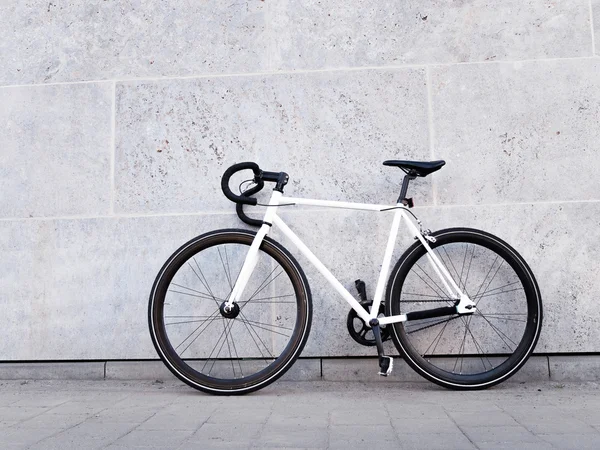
(69, 279)
(512, 132)
(52, 371)
(581, 368)
(310, 34)
(48, 42)
(56, 147)
(330, 132)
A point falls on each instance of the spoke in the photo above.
(257, 335)
(438, 338)
(205, 280)
(254, 324)
(491, 316)
(229, 347)
(236, 354)
(215, 347)
(469, 268)
(499, 333)
(196, 291)
(463, 266)
(226, 328)
(461, 350)
(498, 293)
(432, 325)
(487, 274)
(262, 288)
(452, 264)
(425, 281)
(480, 350)
(502, 287)
(256, 343)
(416, 300)
(490, 283)
(263, 282)
(276, 296)
(213, 317)
(192, 295)
(228, 267)
(224, 268)
(187, 321)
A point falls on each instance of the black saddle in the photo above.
(416, 168)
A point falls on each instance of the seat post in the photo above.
(407, 179)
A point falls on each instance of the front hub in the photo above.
(234, 310)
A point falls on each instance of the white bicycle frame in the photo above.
(272, 219)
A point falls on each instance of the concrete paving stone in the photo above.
(499, 434)
(366, 369)
(226, 434)
(169, 133)
(90, 407)
(368, 416)
(47, 420)
(285, 436)
(360, 436)
(52, 371)
(401, 410)
(182, 421)
(58, 136)
(26, 436)
(479, 418)
(97, 41)
(316, 34)
(21, 413)
(242, 416)
(135, 415)
(542, 445)
(153, 438)
(314, 419)
(506, 108)
(433, 441)
(423, 425)
(554, 421)
(574, 441)
(580, 368)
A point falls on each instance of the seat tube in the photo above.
(387, 258)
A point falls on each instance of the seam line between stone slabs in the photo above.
(430, 124)
(296, 211)
(113, 149)
(592, 28)
(301, 71)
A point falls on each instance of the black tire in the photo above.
(524, 326)
(205, 295)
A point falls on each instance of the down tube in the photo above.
(362, 312)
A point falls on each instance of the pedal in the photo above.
(362, 289)
(386, 364)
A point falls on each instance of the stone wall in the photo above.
(118, 118)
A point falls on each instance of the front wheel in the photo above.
(240, 350)
(466, 351)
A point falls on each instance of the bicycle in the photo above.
(462, 307)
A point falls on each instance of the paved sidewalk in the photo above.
(122, 415)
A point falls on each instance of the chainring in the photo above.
(360, 331)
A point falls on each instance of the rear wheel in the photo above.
(466, 351)
(236, 351)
